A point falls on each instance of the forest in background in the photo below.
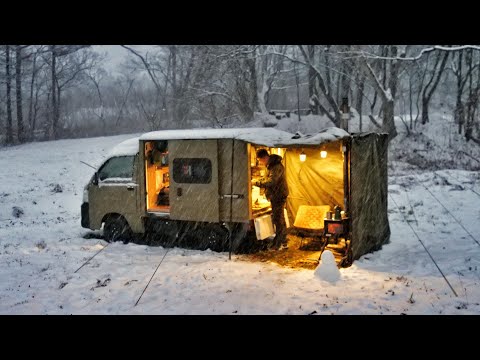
(50, 92)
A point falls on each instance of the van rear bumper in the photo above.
(85, 216)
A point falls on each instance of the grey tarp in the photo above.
(368, 193)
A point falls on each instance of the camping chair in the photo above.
(310, 219)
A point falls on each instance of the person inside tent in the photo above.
(276, 191)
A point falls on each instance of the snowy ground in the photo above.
(42, 245)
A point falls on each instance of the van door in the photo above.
(116, 191)
(194, 180)
(234, 180)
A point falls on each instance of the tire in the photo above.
(203, 237)
(217, 238)
(116, 229)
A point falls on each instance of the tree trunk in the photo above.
(328, 80)
(30, 106)
(388, 119)
(410, 105)
(57, 112)
(54, 95)
(173, 57)
(339, 87)
(425, 118)
(472, 100)
(345, 77)
(311, 82)
(18, 84)
(261, 66)
(322, 86)
(387, 95)
(252, 81)
(298, 91)
(427, 93)
(35, 111)
(9, 96)
(359, 106)
(389, 106)
(459, 113)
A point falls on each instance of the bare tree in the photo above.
(125, 97)
(432, 83)
(35, 86)
(473, 97)
(310, 62)
(387, 87)
(360, 81)
(96, 76)
(57, 52)
(8, 81)
(21, 135)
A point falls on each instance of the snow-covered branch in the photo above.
(402, 56)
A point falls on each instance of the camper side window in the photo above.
(117, 168)
(192, 171)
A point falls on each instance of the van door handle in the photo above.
(233, 196)
(179, 191)
(130, 188)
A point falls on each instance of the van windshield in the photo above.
(117, 168)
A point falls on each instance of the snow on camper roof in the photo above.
(261, 136)
(125, 148)
(323, 136)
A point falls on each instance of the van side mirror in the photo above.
(95, 179)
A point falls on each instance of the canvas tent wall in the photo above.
(368, 193)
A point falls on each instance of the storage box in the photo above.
(264, 227)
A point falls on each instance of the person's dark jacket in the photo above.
(275, 183)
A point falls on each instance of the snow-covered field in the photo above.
(42, 245)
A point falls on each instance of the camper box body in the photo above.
(205, 177)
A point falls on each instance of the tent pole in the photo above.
(346, 180)
(231, 204)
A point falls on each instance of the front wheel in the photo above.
(116, 229)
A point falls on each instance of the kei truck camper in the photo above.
(194, 188)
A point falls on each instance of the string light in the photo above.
(303, 156)
(323, 152)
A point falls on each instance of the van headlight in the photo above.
(85, 195)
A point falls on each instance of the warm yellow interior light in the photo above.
(311, 217)
(323, 154)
